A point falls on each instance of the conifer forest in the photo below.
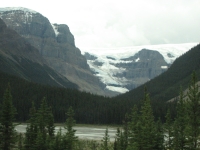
(139, 128)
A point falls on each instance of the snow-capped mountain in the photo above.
(55, 44)
(123, 69)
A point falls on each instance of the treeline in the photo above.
(93, 109)
(89, 108)
(140, 130)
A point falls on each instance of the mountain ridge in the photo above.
(18, 57)
(105, 61)
(167, 85)
(56, 45)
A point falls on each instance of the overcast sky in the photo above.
(121, 23)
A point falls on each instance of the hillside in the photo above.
(19, 58)
(56, 45)
(167, 85)
(125, 68)
(94, 109)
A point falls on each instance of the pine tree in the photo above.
(45, 123)
(50, 123)
(193, 102)
(40, 143)
(148, 126)
(70, 138)
(168, 129)
(7, 118)
(134, 133)
(125, 132)
(57, 143)
(31, 130)
(20, 142)
(106, 139)
(180, 125)
(159, 136)
(144, 132)
(117, 139)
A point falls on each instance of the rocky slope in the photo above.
(166, 86)
(123, 69)
(101, 71)
(56, 45)
(19, 58)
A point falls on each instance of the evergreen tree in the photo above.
(20, 142)
(159, 136)
(168, 129)
(119, 140)
(57, 143)
(134, 132)
(144, 134)
(40, 143)
(106, 139)
(50, 123)
(45, 123)
(125, 132)
(40, 128)
(42, 117)
(70, 138)
(31, 130)
(148, 126)
(193, 102)
(180, 125)
(7, 118)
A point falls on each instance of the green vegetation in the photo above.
(140, 129)
(7, 131)
(93, 109)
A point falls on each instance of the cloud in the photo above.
(111, 23)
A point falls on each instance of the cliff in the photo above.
(55, 44)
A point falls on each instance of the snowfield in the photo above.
(109, 56)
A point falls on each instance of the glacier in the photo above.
(106, 57)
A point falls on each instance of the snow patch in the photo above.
(55, 28)
(117, 89)
(164, 67)
(17, 8)
(137, 59)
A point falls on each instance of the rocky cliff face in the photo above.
(18, 57)
(142, 67)
(56, 44)
(122, 74)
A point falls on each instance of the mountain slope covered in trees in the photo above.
(94, 109)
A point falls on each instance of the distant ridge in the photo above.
(125, 68)
(166, 86)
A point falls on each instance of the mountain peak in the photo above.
(8, 9)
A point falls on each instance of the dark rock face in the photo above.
(64, 34)
(89, 56)
(56, 44)
(18, 57)
(144, 65)
(127, 73)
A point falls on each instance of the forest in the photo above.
(139, 130)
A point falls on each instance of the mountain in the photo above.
(19, 58)
(123, 69)
(100, 71)
(167, 85)
(55, 44)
